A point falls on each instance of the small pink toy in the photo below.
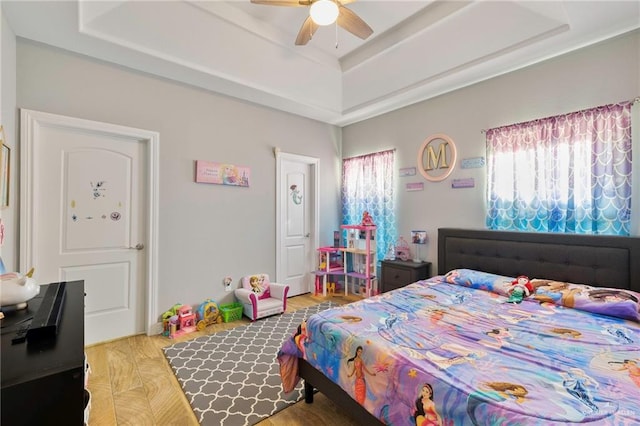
(187, 319)
(183, 323)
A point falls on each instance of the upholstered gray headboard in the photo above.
(603, 261)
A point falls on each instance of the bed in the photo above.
(449, 350)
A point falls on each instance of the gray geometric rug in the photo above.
(232, 377)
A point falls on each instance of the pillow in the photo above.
(258, 284)
(480, 280)
(613, 302)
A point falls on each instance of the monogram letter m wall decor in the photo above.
(437, 157)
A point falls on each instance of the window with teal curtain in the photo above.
(368, 185)
(569, 173)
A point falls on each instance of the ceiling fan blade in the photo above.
(352, 23)
(307, 30)
(293, 3)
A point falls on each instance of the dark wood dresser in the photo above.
(398, 273)
(43, 382)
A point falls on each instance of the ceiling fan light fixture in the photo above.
(324, 12)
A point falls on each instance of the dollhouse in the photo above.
(360, 259)
(353, 267)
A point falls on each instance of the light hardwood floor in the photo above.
(131, 382)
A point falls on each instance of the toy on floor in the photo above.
(166, 324)
(179, 320)
(208, 313)
(187, 319)
(166, 319)
(520, 288)
(173, 326)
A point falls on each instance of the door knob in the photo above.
(307, 235)
(138, 246)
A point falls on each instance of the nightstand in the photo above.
(398, 273)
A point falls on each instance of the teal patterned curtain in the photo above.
(569, 173)
(367, 185)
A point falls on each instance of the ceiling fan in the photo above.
(324, 12)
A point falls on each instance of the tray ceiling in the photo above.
(419, 49)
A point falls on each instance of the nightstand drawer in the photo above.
(396, 273)
(395, 277)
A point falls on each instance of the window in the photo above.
(367, 185)
(569, 173)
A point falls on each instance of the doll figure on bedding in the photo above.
(520, 288)
(300, 337)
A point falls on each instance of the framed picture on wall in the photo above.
(222, 173)
(5, 172)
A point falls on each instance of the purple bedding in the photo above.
(439, 353)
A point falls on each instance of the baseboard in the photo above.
(156, 328)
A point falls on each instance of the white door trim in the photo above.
(315, 207)
(30, 122)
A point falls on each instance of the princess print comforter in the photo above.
(447, 353)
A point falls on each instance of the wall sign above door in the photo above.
(437, 157)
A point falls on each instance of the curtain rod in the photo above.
(632, 101)
(372, 153)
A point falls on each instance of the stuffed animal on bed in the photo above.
(520, 288)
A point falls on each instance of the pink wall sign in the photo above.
(463, 183)
(222, 173)
(415, 186)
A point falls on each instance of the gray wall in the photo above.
(210, 231)
(605, 73)
(206, 231)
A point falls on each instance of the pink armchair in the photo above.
(260, 297)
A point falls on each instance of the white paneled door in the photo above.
(297, 220)
(88, 216)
